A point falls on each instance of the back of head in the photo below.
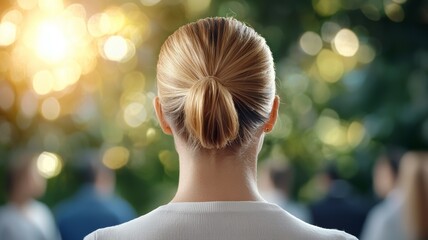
(89, 165)
(392, 157)
(22, 176)
(216, 82)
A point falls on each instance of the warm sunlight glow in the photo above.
(7, 33)
(116, 48)
(51, 5)
(149, 3)
(51, 42)
(43, 82)
(27, 4)
(66, 75)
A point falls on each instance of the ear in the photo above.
(273, 116)
(166, 128)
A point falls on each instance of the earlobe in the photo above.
(273, 116)
(166, 128)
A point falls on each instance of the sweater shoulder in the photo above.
(218, 221)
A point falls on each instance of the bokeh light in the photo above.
(330, 131)
(50, 108)
(78, 74)
(326, 7)
(51, 5)
(355, 134)
(7, 96)
(29, 104)
(43, 82)
(310, 43)
(98, 24)
(394, 12)
(321, 92)
(7, 33)
(371, 11)
(301, 104)
(27, 4)
(366, 54)
(115, 157)
(117, 48)
(149, 3)
(330, 65)
(51, 41)
(346, 43)
(135, 114)
(170, 164)
(49, 164)
(329, 30)
(196, 7)
(151, 134)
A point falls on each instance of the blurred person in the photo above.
(414, 182)
(408, 220)
(216, 87)
(278, 188)
(95, 205)
(385, 185)
(339, 208)
(23, 217)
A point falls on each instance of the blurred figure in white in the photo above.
(23, 217)
(385, 185)
(276, 187)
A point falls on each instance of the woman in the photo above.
(217, 99)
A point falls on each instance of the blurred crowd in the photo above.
(399, 210)
(400, 183)
(93, 206)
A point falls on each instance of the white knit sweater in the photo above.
(219, 221)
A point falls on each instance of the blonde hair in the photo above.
(414, 182)
(216, 82)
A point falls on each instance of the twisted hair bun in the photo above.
(210, 114)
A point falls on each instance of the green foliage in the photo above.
(346, 118)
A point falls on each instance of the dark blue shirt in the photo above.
(88, 211)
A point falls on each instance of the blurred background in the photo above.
(352, 76)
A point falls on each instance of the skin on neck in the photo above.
(218, 175)
(212, 175)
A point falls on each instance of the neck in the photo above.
(213, 176)
(19, 200)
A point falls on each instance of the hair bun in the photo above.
(210, 114)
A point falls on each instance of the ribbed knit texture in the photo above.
(218, 221)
